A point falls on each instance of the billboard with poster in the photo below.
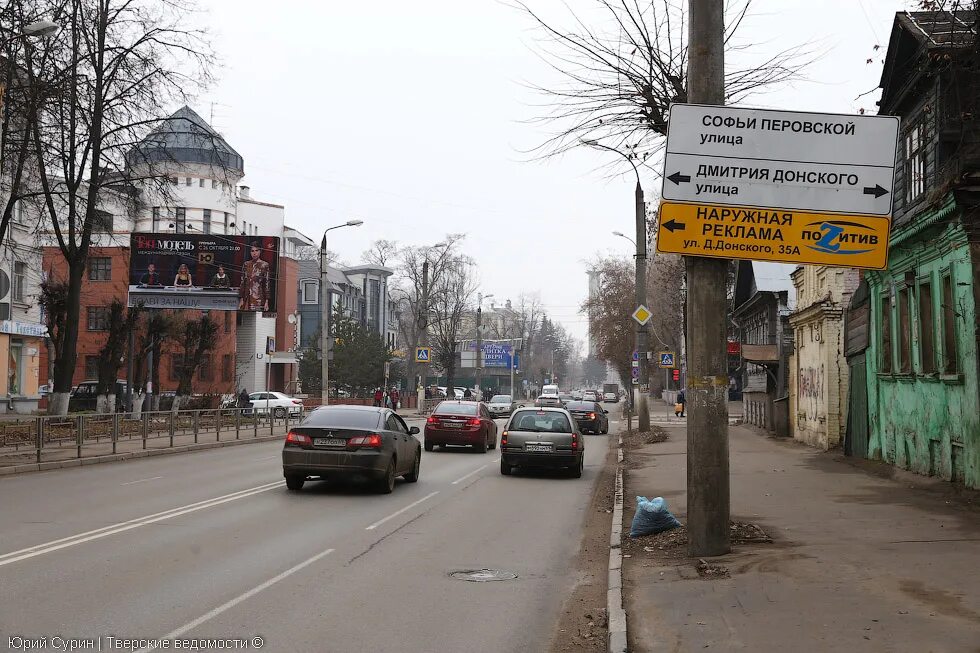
(204, 271)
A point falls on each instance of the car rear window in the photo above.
(544, 422)
(456, 408)
(343, 418)
(580, 405)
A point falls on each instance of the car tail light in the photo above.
(591, 415)
(503, 439)
(473, 421)
(431, 420)
(370, 441)
(298, 438)
(574, 441)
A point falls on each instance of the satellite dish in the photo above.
(291, 318)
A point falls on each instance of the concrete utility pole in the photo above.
(643, 409)
(708, 500)
(325, 314)
(479, 340)
(424, 335)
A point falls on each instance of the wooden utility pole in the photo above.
(708, 500)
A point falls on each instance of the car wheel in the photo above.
(413, 476)
(428, 446)
(386, 484)
(295, 483)
(576, 472)
(605, 431)
(482, 447)
(279, 413)
(505, 469)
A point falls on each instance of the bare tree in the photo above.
(665, 281)
(450, 301)
(121, 323)
(382, 252)
(108, 76)
(624, 65)
(198, 338)
(611, 327)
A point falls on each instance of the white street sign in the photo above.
(821, 162)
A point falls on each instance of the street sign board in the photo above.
(635, 372)
(423, 354)
(635, 363)
(636, 355)
(642, 314)
(819, 162)
(666, 359)
(764, 235)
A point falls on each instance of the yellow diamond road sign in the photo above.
(642, 314)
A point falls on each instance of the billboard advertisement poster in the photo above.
(204, 271)
(495, 353)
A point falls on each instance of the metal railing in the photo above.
(57, 438)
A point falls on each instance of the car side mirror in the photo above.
(413, 430)
(605, 411)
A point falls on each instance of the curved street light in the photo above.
(324, 313)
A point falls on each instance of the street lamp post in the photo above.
(479, 340)
(325, 313)
(424, 327)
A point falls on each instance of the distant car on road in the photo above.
(610, 397)
(590, 395)
(565, 397)
(277, 403)
(460, 422)
(501, 405)
(548, 400)
(352, 441)
(576, 395)
(590, 416)
(542, 437)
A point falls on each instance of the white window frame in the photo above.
(316, 290)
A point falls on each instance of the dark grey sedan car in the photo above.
(337, 441)
(542, 437)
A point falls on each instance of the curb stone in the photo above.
(616, 642)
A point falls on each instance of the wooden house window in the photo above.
(885, 364)
(950, 364)
(916, 161)
(905, 332)
(927, 338)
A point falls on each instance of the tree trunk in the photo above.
(64, 366)
(450, 385)
(102, 404)
(138, 405)
(179, 402)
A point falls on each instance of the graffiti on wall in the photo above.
(809, 391)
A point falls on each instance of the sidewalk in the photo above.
(858, 562)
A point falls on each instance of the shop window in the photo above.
(205, 372)
(950, 362)
(885, 361)
(904, 333)
(927, 338)
(97, 318)
(100, 268)
(226, 367)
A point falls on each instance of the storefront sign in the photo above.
(23, 328)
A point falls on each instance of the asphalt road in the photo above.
(210, 544)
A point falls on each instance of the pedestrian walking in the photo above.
(378, 397)
(467, 394)
(679, 406)
(243, 400)
(395, 399)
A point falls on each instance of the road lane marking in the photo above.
(466, 476)
(398, 512)
(112, 529)
(142, 480)
(224, 607)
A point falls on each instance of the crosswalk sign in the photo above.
(423, 354)
(666, 359)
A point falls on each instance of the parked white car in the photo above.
(276, 402)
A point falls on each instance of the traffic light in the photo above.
(677, 375)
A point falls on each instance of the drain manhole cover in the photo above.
(482, 575)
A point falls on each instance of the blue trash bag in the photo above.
(652, 516)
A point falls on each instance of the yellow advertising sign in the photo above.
(854, 241)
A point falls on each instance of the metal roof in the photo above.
(941, 28)
(186, 137)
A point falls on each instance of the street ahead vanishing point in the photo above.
(778, 185)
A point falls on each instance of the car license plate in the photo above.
(538, 447)
(452, 425)
(329, 442)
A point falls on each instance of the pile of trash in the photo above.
(652, 517)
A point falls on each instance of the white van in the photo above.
(549, 390)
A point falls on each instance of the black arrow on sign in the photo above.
(673, 225)
(677, 178)
(877, 191)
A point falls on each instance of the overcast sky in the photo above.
(413, 117)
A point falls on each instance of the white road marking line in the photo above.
(398, 512)
(112, 529)
(466, 476)
(238, 599)
(142, 480)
